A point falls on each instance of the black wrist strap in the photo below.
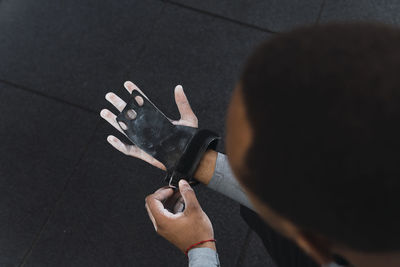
(191, 157)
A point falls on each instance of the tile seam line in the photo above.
(56, 99)
(241, 23)
(65, 102)
(321, 10)
(58, 199)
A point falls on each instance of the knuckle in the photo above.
(186, 188)
(192, 207)
(148, 198)
(187, 191)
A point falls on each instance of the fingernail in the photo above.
(183, 182)
(123, 125)
(179, 87)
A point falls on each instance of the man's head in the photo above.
(313, 135)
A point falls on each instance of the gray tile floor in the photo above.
(66, 197)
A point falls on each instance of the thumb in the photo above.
(183, 105)
(189, 197)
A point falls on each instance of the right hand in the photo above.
(182, 228)
(188, 118)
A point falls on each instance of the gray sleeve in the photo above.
(224, 182)
(203, 257)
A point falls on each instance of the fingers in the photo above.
(183, 105)
(171, 202)
(163, 193)
(120, 146)
(179, 205)
(120, 104)
(155, 207)
(130, 86)
(111, 119)
(116, 101)
(189, 197)
(134, 151)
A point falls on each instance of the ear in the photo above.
(317, 247)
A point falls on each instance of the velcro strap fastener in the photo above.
(190, 159)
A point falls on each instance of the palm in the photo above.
(188, 118)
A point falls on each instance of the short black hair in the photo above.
(324, 106)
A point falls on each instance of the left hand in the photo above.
(188, 118)
(182, 229)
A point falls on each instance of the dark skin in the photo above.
(193, 225)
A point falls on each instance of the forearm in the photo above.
(206, 167)
(215, 172)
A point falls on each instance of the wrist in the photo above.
(202, 244)
(206, 167)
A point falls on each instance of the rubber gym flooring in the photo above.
(67, 198)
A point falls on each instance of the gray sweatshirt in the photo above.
(224, 182)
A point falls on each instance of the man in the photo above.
(313, 141)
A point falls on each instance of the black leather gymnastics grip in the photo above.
(179, 148)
